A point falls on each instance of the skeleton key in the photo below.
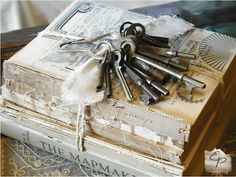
(119, 57)
(148, 51)
(130, 43)
(160, 77)
(165, 52)
(141, 83)
(188, 80)
(156, 41)
(176, 74)
(139, 31)
(151, 80)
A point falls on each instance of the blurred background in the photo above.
(21, 14)
(218, 16)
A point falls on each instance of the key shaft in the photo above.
(180, 54)
(178, 75)
(118, 70)
(151, 80)
(141, 83)
(124, 84)
(108, 80)
(155, 55)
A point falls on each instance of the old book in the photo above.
(110, 159)
(17, 147)
(158, 151)
(64, 116)
(215, 139)
(202, 142)
(21, 113)
(34, 77)
(21, 116)
(192, 163)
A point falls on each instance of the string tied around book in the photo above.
(79, 88)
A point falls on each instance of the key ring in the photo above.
(81, 41)
(133, 30)
(122, 33)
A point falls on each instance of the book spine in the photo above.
(98, 155)
(163, 147)
(37, 139)
(48, 102)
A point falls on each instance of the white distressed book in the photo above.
(100, 155)
(35, 74)
(29, 120)
(11, 116)
(191, 161)
(157, 154)
(194, 163)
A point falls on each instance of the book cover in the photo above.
(60, 140)
(35, 74)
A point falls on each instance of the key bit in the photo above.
(151, 80)
(146, 98)
(141, 82)
(118, 66)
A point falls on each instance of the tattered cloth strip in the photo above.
(80, 86)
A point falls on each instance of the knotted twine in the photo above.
(80, 88)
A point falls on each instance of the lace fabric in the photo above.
(20, 159)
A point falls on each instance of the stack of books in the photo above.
(121, 138)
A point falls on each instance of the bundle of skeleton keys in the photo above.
(147, 60)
